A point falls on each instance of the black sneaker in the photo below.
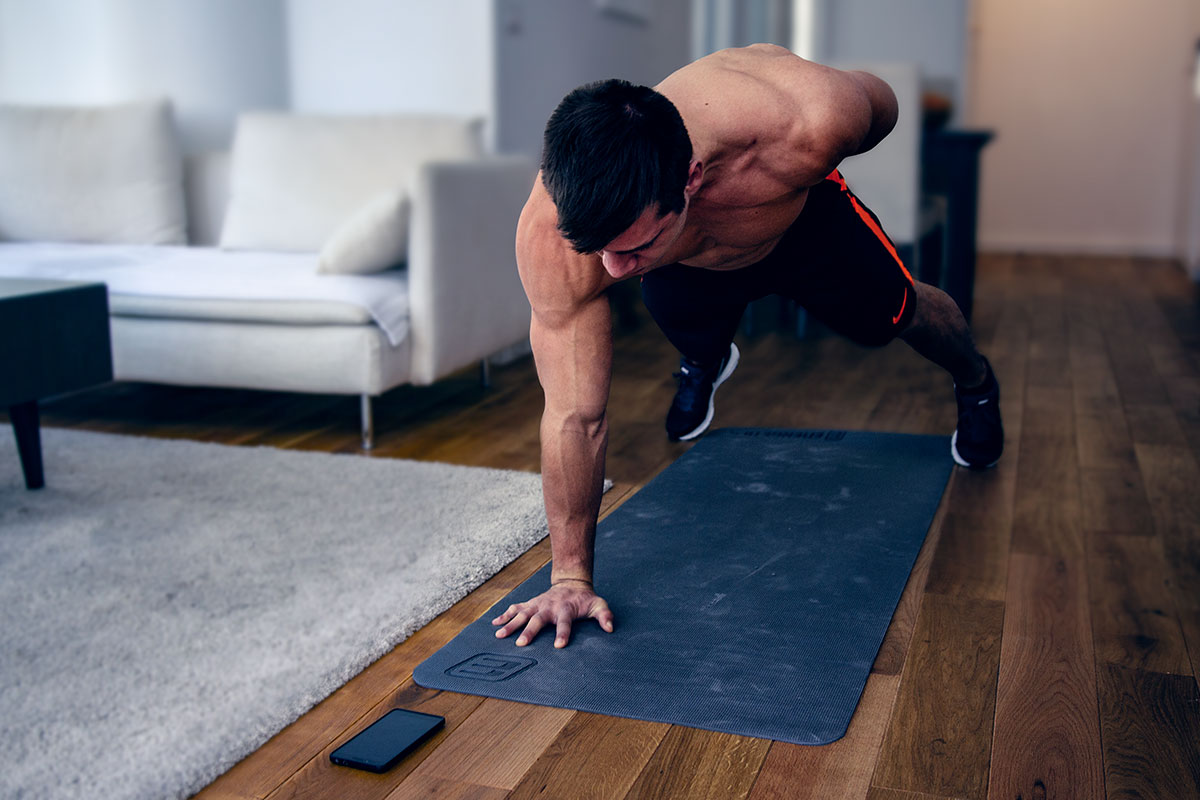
(692, 410)
(979, 438)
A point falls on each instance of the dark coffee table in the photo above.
(53, 339)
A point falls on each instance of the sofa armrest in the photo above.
(465, 297)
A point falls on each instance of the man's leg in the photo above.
(939, 332)
(699, 311)
(854, 281)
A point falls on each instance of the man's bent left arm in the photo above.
(882, 109)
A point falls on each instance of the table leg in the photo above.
(27, 428)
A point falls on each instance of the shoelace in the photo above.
(690, 379)
(975, 419)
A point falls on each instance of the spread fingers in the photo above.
(513, 623)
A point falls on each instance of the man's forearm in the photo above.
(573, 483)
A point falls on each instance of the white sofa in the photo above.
(270, 268)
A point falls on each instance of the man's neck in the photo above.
(691, 243)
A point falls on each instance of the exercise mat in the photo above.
(752, 583)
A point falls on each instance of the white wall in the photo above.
(545, 48)
(717, 24)
(1188, 240)
(930, 33)
(1088, 99)
(363, 56)
(212, 58)
(507, 60)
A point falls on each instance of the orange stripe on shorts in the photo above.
(870, 221)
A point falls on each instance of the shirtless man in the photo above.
(719, 186)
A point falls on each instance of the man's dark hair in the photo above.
(611, 150)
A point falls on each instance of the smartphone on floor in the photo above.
(387, 740)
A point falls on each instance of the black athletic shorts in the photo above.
(835, 261)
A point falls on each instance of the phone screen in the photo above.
(387, 740)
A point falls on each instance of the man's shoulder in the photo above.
(556, 278)
(763, 97)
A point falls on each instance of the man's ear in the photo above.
(695, 178)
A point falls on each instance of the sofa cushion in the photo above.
(282, 311)
(108, 174)
(217, 285)
(296, 178)
(373, 239)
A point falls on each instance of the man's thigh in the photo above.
(839, 264)
(698, 309)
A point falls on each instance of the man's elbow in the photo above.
(590, 423)
(883, 110)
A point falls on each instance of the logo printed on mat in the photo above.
(490, 667)
(829, 436)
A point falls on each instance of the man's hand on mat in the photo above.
(560, 605)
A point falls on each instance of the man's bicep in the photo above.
(573, 354)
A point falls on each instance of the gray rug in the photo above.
(168, 606)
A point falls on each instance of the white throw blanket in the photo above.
(208, 273)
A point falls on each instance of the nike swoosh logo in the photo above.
(903, 303)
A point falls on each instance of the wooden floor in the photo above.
(1047, 644)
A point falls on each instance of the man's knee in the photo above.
(933, 310)
(918, 320)
(908, 317)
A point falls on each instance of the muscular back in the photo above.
(766, 125)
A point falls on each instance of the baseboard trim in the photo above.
(1086, 247)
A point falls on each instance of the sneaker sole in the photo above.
(962, 462)
(734, 357)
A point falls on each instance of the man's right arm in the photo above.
(573, 353)
(571, 336)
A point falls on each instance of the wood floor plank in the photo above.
(1102, 435)
(692, 763)
(1048, 507)
(495, 746)
(1049, 363)
(1189, 621)
(939, 736)
(1103, 439)
(608, 753)
(1114, 500)
(878, 793)
(1137, 378)
(972, 556)
(1154, 423)
(1134, 623)
(894, 649)
(838, 771)
(1151, 729)
(1171, 476)
(427, 786)
(321, 778)
(1047, 737)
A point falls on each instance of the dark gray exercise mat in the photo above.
(752, 582)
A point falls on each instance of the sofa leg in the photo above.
(368, 424)
(485, 374)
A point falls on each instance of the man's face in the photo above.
(643, 245)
